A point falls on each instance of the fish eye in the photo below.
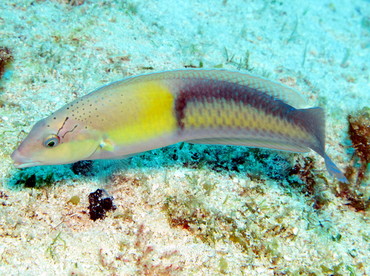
(51, 141)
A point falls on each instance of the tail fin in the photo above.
(313, 120)
(334, 170)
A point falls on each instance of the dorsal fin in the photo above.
(272, 88)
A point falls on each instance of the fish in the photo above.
(150, 111)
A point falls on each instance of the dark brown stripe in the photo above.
(210, 90)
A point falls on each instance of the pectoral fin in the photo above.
(107, 145)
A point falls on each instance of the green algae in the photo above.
(54, 246)
(74, 200)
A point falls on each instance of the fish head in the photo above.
(56, 140)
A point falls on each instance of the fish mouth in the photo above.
(21, 161)
(20, 165)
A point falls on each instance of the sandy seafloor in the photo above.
(179, 211)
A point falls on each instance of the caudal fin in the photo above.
(313, 120)
(334, 170)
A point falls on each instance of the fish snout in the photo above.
(21, 161)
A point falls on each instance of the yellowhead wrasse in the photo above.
(150, 111)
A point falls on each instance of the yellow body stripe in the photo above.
(230, 114)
